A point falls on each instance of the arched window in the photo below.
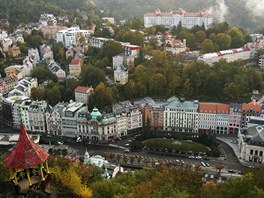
(251, 151)
(260, 153)
(256, 152)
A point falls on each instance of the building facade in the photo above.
(228, 55)
(69, 118)
(82, 94)
(250, 144)
(170, 19)
(75, 67)
(95, 126)
(121, 75)
(181, 116)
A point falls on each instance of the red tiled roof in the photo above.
(82, 89)
(26, 153)
(75, 62)
(214, 108)
(252, 105)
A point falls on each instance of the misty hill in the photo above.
(244, 13)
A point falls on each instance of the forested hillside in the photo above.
(242, 13)
(25, 11)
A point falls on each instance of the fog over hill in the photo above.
(244, 13)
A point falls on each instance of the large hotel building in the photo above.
(170, 19)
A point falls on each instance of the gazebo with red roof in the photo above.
(25, 157)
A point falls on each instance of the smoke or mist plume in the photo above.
(256, 7)
(219, 10)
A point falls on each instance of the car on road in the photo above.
(191, 157)
(198, 157)
(127, 145)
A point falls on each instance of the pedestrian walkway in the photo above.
(234, 147)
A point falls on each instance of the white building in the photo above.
(181, 116)
(33, 54)
(3, 35)
(46, 52)
(128, 49)
(98, 42)
(69, 118)
(133, 115)
(20, 111)
(121, 75)
(95, 126)
(82, 94)
(71, 36)
(54, 118)
(170, 19)
(6, 42)
(122, 59)
(229, 55)
(37, 116)
(251, 144)
(23, 87)
(56, 69)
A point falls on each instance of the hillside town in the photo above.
(176, 89)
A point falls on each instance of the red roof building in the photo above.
(82, 94)
(26, 154)
(250, 109)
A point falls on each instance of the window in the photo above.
(251, 152)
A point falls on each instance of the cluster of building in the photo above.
(121, 62)
(8, 43)
(193, 116)
(170, 19)
(71, 119)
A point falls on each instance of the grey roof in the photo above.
(236, 107)
(144, 101)
(255, 135)
(181, 104)
(123, 107)
(261, 56)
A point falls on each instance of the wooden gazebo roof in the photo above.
(26, 153)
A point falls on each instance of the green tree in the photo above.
(237, 37)
(92, 76)
(223, 41)
(102, 96)
(111, 48)
(207, 46)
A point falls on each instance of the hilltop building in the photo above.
(170, 19)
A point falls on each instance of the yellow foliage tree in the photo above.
(70, 179)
